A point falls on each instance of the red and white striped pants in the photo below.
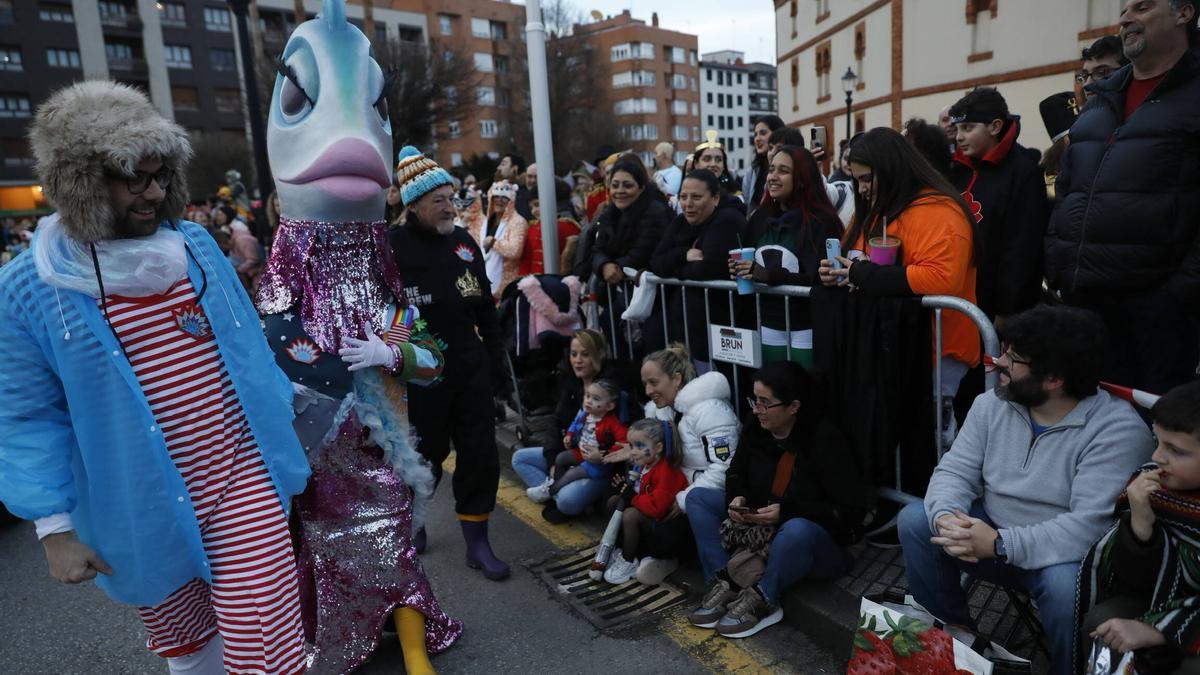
(254, 600)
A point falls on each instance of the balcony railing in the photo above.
(127, 65)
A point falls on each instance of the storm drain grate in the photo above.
(601, 603)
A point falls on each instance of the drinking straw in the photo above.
(885, 230)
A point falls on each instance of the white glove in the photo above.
(365, 353)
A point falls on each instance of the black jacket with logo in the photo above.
(1007, 193)
(1129, 192)
(445, 278)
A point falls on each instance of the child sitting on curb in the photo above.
(652, 442)
(597, 429)
(1138, 591)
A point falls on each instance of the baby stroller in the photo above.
(538, 315)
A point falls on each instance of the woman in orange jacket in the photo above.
(898, 189)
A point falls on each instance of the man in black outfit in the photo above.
(1124, 240)
(444, 276)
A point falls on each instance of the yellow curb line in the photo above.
(715, 653)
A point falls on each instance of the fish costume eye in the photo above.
(299, 89)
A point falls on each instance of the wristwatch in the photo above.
(999, 549)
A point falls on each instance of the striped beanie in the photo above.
(418, 175)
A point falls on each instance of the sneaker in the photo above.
(551, 514)
(714, 606)
(748, 614)
(540, 494)
(619, 569)
(652, 571)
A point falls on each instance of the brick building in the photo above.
(655, 81)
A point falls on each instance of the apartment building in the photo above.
(182, 52)
(913, 58)
(763, 96)
(725, 104)
(655, 82)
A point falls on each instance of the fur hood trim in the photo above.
(95, 126)
(711, 385)
(544, 305)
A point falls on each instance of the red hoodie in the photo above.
(660, 483)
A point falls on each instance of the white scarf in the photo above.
(134, 267)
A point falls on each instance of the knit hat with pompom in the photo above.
(418, 175)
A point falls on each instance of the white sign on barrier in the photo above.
(735, 345)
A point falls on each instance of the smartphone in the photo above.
(740, 509)
(818, 137)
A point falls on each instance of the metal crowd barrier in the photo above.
(938, 303)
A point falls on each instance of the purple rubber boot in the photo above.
(479, 551)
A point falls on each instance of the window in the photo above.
(446, 24)
(696, 134)
(741, 121)
(118, 51)
(178, 56)
(633, 106)
(487, 128)
(692, 56)
(979, 15)
(173, 14)
(10, 59)
(721, 122)
(185, 98)
(739, 100)
(6, 12)
(501, 63)
(114, 13)
(679, 107)
(62, 58)
(721, 78)
(456, 159)
(822, 9)
(620, 53)
(52, 12)
(681, 157)
(679, 132)
(499, 30)
(632, 50)
(739, 76)
(695, 109)
(679, 81)
(824, 64)
(14, 105)
(455, 129)
(483, 62)
(708, 74)
(229, 100)
(720, 100)
(639, 132)
(710, 120)
(16, 152)
(485, 96)
(710, 98)
(634, 78)
(221, 60)
(218, 19)
(694, 85)
(860, 49)
(675, 54)
(503, 98)
(480, 28)
(451, 95)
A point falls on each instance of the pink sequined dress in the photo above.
(354, 522)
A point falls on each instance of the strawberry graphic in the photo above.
(920, 649)
(872, 656)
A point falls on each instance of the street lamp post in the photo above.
(258, 137)
(849, 81)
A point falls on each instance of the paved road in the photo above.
(518, 626)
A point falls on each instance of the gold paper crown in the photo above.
(712, 142)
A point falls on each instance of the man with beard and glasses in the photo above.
(1124, 239)
(144, 425)
(1030, 481)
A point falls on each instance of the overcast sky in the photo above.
(745, 25)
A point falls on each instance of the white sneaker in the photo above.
(619, 569)
(540, 494)
(653, 571)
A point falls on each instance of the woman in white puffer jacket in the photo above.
(708, 434)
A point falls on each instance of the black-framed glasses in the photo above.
(1013, 358)
(139, 182)
(756, 404)
(1100, 73)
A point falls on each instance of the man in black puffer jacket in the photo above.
(1123, 237)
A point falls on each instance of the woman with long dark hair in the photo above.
(755, 178)
(901, 194)
(789, 231)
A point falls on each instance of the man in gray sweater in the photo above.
(1030, 481)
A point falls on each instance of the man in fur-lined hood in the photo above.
(127, 335)
(94, 132)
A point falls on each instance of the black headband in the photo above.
(973, 117)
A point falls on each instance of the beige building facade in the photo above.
(914, 57)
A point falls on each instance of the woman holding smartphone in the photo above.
(794, 500)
